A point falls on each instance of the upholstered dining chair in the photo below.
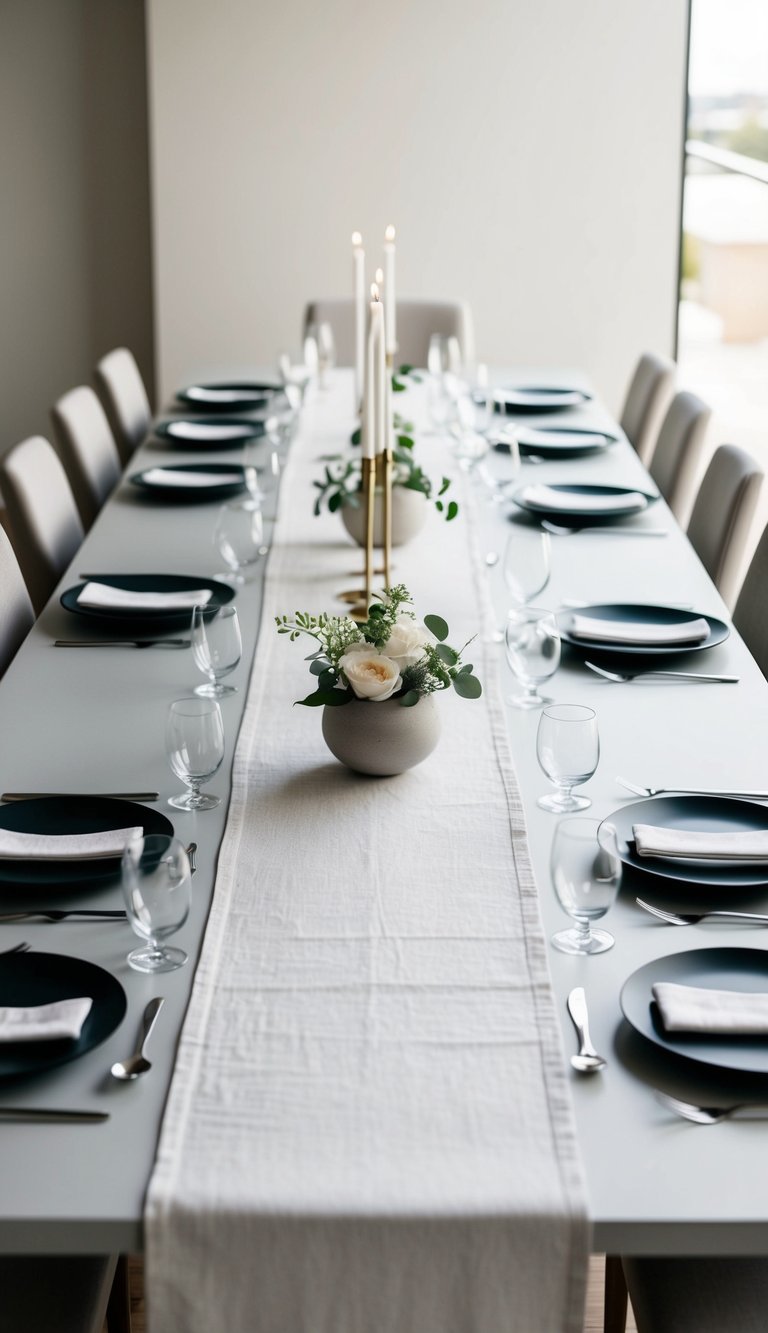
(87, 448)
(678, 450)
(416, 322)
(65, 1294)
(45, 526)
(702, 1295)
(648, 397)
(124, 397)
(16, 614)
(722, 515)
(749, 614)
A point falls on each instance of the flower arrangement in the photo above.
(388, 656)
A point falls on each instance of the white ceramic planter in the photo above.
(409, 514)
(382, 739)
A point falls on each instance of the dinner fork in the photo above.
(692, 919)
(691, 791)
(17, 948)
(712, 1115)
(621, 676)
(560, 530)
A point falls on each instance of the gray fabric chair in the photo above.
(45, 526)
(648, 397)
(678, 451)
(721, 1295)
(416, 322)
(62, 1294)
(750, 615)
(87, 448)
(722, 515)
(16, 614)
(125, 401)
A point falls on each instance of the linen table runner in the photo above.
(369, 1127)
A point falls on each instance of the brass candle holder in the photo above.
(360, 598)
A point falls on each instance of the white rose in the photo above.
(405, 644)
(371, 675)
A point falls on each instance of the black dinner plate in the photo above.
(42, 978)
(72, 814)
(644, 615)
(229, 396)
(701, 814)
(146, 622)
(217, 490)
(563, 441)
(223, 433)
(580, 514)
(716, 969)
(539, 398)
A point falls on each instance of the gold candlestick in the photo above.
(388, 469)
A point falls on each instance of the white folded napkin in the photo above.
(225, 395)
(544, 396)
(205, 430)
(546, 497)
(741, 846)
(45, 1022)
(66, 846)
(102, 595)
(167, 476)
(558, 438)
(632, 631)
(694, 1009)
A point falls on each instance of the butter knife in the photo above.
(81, 795)
(42, 1116)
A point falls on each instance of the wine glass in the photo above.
(527, 563)
(586, 873)
(194, 744)
(156, 881)
(532, 642)
(262, 464)
(322, 334)
(568, 751)
(216, 647)
(437, 355)
(239, 536)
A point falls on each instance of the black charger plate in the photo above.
(582, 515)
(703, 814)
(72, 814)
(539, 398)
(223, 433)
(193, 494)
(130, 623)
(563, 441)
(612, 612)
(229, 396)
(41, 978)
(718, 969)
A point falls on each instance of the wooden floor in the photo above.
(593, 1322)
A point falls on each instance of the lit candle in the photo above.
(374, 352)
(358, 261)
(389, 260)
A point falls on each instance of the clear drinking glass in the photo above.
(262, 463)
(437, 356)
(216, 647)
(239, 536)
(326, 350)
(532, 643)
(586, 874)
(568, 750)
(527, 563)
(156, 882)
(194, 744)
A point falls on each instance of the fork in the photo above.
(691, 791)
(712, 1115)
(692, 919)
(17, 948)
(560, 530)
(621, 676)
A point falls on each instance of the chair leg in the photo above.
(119, 1307)
(616, 1296)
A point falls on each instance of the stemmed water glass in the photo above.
(262, 464)
(239, 537)
(156, 881)
(216, 647)
(586, 874)
(532, 643)
(527, 563)
(194, 744)
(568, 750)
(322, 334)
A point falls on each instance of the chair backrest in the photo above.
(648, 397)
(678, 450)
(16, 614)
(122, 391)
(87, 448)
(45, 525)
(416, 322)
(722, 515)
(750, 615)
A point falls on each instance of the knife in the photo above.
(59, 914)
(41, 1115)
(81, 795)
(121, 643)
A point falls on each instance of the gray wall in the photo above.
(75, 267)
(528, 151)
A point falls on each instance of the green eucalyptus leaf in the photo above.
(405, 370)
(439, 506)
(447, 654)
(437, 626)
(326, 699)
(397, 387)
(451, 511)
(327, 679)
(318, 664)
(445, 483)
(356, 436)
(410, 698)
(467, 686)
(335, 501)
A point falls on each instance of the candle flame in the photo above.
(357, 238)
(374, 292)
(380, 276)
(389, 234)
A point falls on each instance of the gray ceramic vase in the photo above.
(409, 514)
(382, 739)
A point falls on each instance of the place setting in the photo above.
(565, 509)
(142, 605)
(191, 483)
(225, 432)
(557, 443)
(231, 396)
(628, 641)
(538, 398)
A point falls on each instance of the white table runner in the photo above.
(369, 1126)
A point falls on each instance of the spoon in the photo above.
(138, 1064)
(587, 1061)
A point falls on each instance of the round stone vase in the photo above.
(409, 514)
(382, 739)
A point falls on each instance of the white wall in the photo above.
(528, 153)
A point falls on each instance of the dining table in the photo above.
(634, 1177)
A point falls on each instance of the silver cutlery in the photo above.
(620, 677)
(89, 913)
(16, 948)
(692, 919)
(191, 850)
(560, 530)
(81, 795)
(121, 643)
(587, 1061)
(136, 1064)
(712, 1115)
(748, 795)
(39, 1115)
